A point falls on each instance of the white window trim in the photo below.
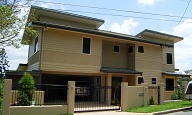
(138, 79)
(156, 80)
(82, 45)
(172, 58)
(113, 48)
(138, 49)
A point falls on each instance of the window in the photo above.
(169, 84)
(169, 58)
(36, 44)
(130, 49)
(86, 45)
(140, 80)
(140, 49)
(116, 49)
(153, 80)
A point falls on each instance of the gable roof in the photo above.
(67, 16)
(160, 35)
(99, 32)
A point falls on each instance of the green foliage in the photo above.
(163, 107)
(151, 101)
(26, 90)
(179, 93)
(1, 94)
(174, 96)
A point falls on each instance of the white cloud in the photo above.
(16, 56)
(183, 49)
(147, 2)
(126, 27)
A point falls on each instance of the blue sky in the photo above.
(127, 23)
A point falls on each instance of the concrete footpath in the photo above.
(111, 113)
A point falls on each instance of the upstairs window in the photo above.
(169, 58)
(140, 80)
(36, 44)
(116, 49)
(153, 80)
(86, 45)
(130, 49)
(140, 49)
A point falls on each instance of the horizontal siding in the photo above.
(66, 22)
(62, 67)
(34, 66)
(168, 67)
(62, 51)
(110, 59)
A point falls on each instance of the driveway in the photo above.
(111, 113)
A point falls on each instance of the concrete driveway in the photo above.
(111, 113)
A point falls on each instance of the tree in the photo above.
(12, 23)
(3, 63)
(26, 90)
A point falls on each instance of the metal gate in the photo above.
(94, 98)
(154, 92)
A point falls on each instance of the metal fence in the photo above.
(94, 98)
(44, 94)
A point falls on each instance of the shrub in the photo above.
(151, 101)
(174, 96)
(1, 94)
(26, 90)
(179, 93)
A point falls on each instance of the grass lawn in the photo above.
(163, 107)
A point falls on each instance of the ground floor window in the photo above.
(140, 80)
(153, 80)
(169, 84)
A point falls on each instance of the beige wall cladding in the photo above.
(116, 60)
(34, 66)
(66, 22)
(62, 51)
(168, 67)
(131, 58)
(149, 62)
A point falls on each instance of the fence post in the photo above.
(6, 97)
(145, 94)
(71, 97)
(161, 91)
(124, 94)
(184, 86)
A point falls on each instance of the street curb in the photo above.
(172, 110)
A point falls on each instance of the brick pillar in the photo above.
(6, 97)
(124, 93)
(145, 93)
(162, 91)
(184, 86)
(71, 97)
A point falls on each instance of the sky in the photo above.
(128, 17)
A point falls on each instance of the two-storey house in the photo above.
(71, 47)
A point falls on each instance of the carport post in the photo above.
(124, 94)
(162, 95)
(71, 97)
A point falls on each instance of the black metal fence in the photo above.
(94, 98)
(44, 94)
(154, 94)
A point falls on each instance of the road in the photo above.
(185, 112)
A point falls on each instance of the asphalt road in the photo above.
(185, 112)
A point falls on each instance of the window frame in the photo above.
(154, 81)
(141, 81)
(132, 49)
(168, 87)
(90, 44)
(142, 50)
(36, 46)
(114, 48)
(171, 58)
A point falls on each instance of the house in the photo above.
(71, 47)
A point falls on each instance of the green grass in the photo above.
(163, 107)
